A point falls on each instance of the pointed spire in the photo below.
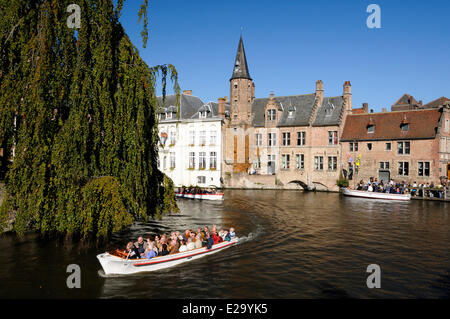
(240, 69)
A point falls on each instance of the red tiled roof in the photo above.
(422, 124)
(436, 103)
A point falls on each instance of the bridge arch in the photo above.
(300, 183)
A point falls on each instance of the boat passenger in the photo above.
(216, 238)
(163, 250)
(205, 231)
(226, 235)
(141, 245)
(187, 234)
(221, 233)
(190, 244)
(150, 252)
(183, 246)
(232, 233)
(174, 247)
(132, 251)
(198, 241)
(209, 240)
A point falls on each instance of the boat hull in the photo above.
(218, 196)
(119, 266)
(375, 195)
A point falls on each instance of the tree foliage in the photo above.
(76, 105)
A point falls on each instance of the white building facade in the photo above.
(190, 149)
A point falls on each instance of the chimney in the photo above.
(319, 89)
(365, 108)
(348, 95)
(187, 92)
(221, 109)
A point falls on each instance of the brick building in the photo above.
(412, 145)
(281, 141)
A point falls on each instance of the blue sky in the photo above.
(291, 44)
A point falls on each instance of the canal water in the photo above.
(295, 245)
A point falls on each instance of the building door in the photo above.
(448, 172)
(271, 164)
(384, 176)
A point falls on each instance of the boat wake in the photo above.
(250, 236)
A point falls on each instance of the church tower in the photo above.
(242, 89)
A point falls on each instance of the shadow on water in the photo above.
(294, 245)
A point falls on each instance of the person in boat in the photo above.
(174, 247)
(163, 251)
(190, 244)
(150, 251)
(186, 234)
(216, 238)
(232, 233)
(141, 246)
(205, 231)
(198, 241)
(131, 251)
(183, 246)
(209, 241)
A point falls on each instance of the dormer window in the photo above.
(291, 114)
(168, 115)
(405, 124)
(203, 114)
(271, 115)
(371, 126)
(329, 109)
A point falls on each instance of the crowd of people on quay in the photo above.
(415, 189)
(196, 190)
(162, 245)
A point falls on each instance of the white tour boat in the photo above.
(118, 263)
(375, 195)
(216, 196)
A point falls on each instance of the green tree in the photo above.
(79, 109)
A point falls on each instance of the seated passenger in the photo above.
(216, 238)
(163, 249)
(132, 251)
(209, 241)
(226, 235)
(187, 234)
(198, 241)
(183, 247)
(190, 244)
(150, 252)
(232, 233)
(141, 245)
(174, 246)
